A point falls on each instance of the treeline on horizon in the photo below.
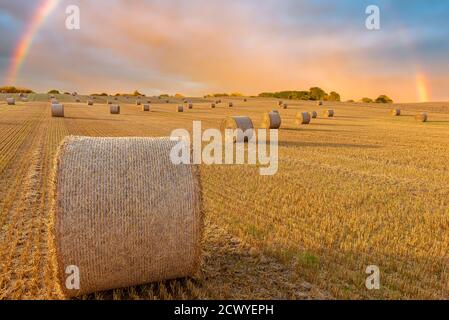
(314, 94)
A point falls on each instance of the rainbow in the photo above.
(23, 46)
(422, 87)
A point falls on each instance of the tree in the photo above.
(136, 93)
(317, 93)
(367, 100)
(53, 91)
(179, 96)
(384, 99)
(333, 96)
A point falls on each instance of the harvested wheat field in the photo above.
(362, 188)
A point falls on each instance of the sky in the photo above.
(196, 47)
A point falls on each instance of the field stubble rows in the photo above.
(363, 188)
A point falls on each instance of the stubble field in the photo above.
(360, 189)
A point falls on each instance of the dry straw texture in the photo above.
(302, 118)
(421, 117)
(271, 120)
(57, 110)
(124, 214)
(180, 109)
(396, 112)
(146, 107)
(329, 113)
(114, 109)
(239, 122)
(11, 101)
(313, 114)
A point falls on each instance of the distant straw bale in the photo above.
(422, 117)
(57, 110)
(271, 120)
(302, 118)
(239, 122)
(114, 109)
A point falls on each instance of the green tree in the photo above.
(53, 91)
(367, 100)
(384, 99)
(317, 93)
(333, 96)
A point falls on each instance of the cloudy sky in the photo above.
(196, 47)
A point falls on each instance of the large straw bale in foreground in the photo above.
(239, 122)
(271, 120)
(302, 118)
(57, 110)
(114, 109)
(422, 117)
(124, 214)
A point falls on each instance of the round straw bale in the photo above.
(146, 107)
(124, 214)
(138, 103)
(190, 106)
(77, 100)
(245, 100)
(231, 104)
(285, 106)
(167, 101)
(10, 101)
(90, 103)
(109, 102)
(422, 117)
(57, 110)
(280, 103)
(24, 99)
(212, 105)
(313, 114)
(302, 118)
(180, 109)
(328, 113)
(271, 120)
(52, 96)
(114, 109)
(319, 103)
(396, 112)
(54, 101)
(239, 122)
